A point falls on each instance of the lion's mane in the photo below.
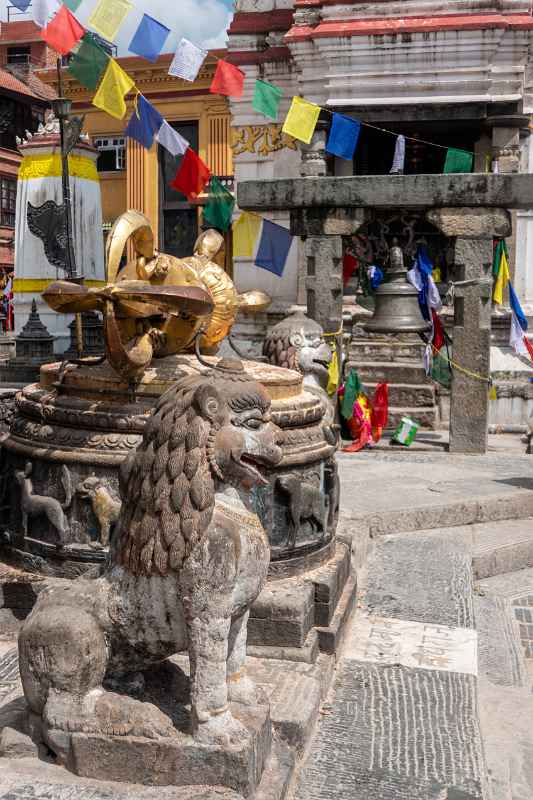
(280, 352)
(167, 488)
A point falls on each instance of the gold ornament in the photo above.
(157, 304)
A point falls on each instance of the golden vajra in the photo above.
(157, 305)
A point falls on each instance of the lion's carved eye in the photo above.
(253, 423)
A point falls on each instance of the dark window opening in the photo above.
(112, 154)
(8, 201)
(178, 219)
(20, 54)
(375, 149)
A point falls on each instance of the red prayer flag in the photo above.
(228, 80)
(192, 176)
(63, 32)
(438, 336)
(349, 265)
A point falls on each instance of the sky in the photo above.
(204, 22)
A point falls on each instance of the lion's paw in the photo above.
(244, 690)
(222, 730)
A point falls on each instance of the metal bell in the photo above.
(397, 309)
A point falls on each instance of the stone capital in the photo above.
(327, 221)
(471, 223)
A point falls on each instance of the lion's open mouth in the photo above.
(321, 362)
(254, 466)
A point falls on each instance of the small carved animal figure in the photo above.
(33, 505)
(105, 508)
(188, 559)
(305, 504)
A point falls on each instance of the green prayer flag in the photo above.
(266, 99)
(352, 389)
(458, 161)
(72, 5)
(219, 209)
(89, 63)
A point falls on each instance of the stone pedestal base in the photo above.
(177, 761)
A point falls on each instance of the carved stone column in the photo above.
(314, 154)
(506, 141)
(472, 230)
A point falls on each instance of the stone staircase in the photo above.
(398, 362)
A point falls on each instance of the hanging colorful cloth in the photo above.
(500, 270)
(219, 209)
(380, 410)
(333, 374)
(63, 32)
(192, 175)
(349, 265)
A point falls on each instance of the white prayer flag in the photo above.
(43, 11)
(171, 140)
(398, 163)
(516, 338)
(187, 61)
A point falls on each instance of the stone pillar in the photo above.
(506, 141)
(473, 230)
(314, 154)
(322, 230)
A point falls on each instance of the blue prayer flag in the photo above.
(144, 122)
(22, 5)
(343, 136)
(517, 308)
(273, 248)
(149, 38)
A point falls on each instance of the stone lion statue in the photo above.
(188, 559)
(297, 343)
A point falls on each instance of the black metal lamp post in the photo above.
(62, 107)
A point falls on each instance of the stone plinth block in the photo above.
(177, 761)
(324, 222)
(324, 281)
(388, 191)
(471, 222)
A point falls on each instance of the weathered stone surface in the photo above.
(330, 636)
(180, 761)
(404, 643)
(318, 222)
(324, 283)
(393, 732)
(282, 615)
(41, 790)
(502, 547)
(385, 191)
(471, 222)
(391, 372)
(14, 744)
(471, 347)
(422, 577)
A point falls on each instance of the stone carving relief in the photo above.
(106, 508)
(190, 557)
(261, 139)
(306, 505)
(35, 505)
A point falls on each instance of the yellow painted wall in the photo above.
(177, 100)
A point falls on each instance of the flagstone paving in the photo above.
(432, 697)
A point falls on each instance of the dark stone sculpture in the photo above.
(34, 505)
(188, 559)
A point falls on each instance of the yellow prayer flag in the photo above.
(301, 120)
(245, 234)
(502, 279)
(333, 374)
(114, 86)
(108, 16)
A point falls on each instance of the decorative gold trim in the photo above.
(260, 139)
(244, 517)
(49, 166)
(35, 285)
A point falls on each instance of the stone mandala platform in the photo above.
(82, 423)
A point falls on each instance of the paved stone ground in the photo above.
(433, 691)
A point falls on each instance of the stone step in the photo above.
(426, 417)
(407, 395)
(500, 547)
(375, 350)
(391, 372)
